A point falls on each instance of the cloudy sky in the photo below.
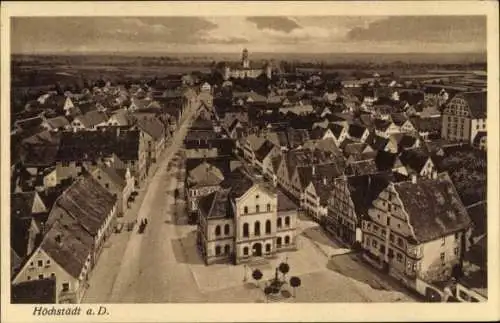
(369, 34)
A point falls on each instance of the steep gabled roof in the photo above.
(93, 118)
(87, 202)
(152, 126)
(205, 174)
(75, 245)
(356, 131)
(414, 159)
(57, 122)
(215, 205)
(433, 206)
(477, 102)
(264, 150)
(364, 189)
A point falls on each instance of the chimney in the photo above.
(414, 178)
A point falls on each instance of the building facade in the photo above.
(464, 116)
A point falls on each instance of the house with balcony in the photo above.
(417, 230)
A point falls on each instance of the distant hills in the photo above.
(327, 58)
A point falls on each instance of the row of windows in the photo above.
(257, 208)
(41, 276)
(40, 263)
(227, 229)
(218, 249)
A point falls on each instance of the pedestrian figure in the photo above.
(145, 221)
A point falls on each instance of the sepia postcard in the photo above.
(249, 161)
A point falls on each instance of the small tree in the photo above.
(284, 268)
(257, 275)
(295, 282)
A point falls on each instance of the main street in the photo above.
(162, 265)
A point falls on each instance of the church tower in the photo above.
(245, 62)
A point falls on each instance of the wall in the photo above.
(476, 126)
(201, 153)
(432, 267)
(67, 170)
(49, 267)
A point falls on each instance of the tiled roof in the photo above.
(75, 244)
(327, 145)
(216, 205)
(323, 190)
(195, 135)
(122, 117)
(20, 234)
(386, 161)
(29, 123)
(363, 167)
(152, 126)
(40, 291)
(407, 141)
(297, 137)
(115, 175)
(317, 133)
(255, 141)
(434, 207)
(202, 124)
(284, 203)
(93, 118)
(276, 161)
(414, 159)
(377, 142)
(39, 155)
(477, 102)
(87, 202)
(399, 118)
(427, 124)
(364, 189)
(336, 129)
(278, 138)
(238, 182)
(58, 122)
(381, 125)
(205, 174)
(356, 131)
(21, 204)
(264, 150)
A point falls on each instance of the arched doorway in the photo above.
(257, 249)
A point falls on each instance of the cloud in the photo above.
(71, 32)
(445, 29)
(283, 24)
(264, 34)
(226, 40)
